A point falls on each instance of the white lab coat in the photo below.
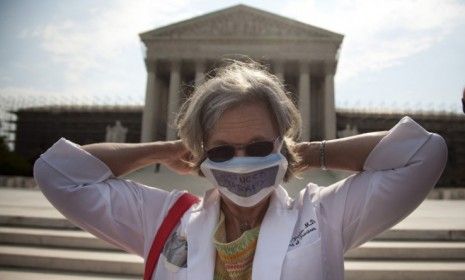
(305, 238)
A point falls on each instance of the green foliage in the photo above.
(11, 163)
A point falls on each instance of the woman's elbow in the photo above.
(440, 149)
(46, 177)
(436, 156)
(38, 171)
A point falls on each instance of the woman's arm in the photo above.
(347, 153)
(123, 158)
(397, 175)
(80, 184)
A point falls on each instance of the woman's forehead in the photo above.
(243, 124)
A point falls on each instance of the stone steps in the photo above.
(38, 243)
(78, 239)
(402, 269)
(102, 264)
(95, 261)
(373, 270)
(33, 217)
(52, 237)
(16, 273)
(43, 220)
(414, 250)
(423, 234)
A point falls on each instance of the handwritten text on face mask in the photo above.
(246, 184)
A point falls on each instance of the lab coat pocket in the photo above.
(175, 252)
(174, 257)
(304, 262)
(169, 271)
(180, 274)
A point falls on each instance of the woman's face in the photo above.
(243, 124)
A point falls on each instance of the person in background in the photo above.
(240, 129)
(463, 101)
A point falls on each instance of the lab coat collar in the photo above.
(273, 241)
(275, 233)
(201, 251)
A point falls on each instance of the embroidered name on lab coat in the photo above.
(308, 227)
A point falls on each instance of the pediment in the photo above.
(240, 22)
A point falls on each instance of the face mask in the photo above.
(246, 180)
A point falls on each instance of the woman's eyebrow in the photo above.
(220, 143)
(259, 138)
(255, 139)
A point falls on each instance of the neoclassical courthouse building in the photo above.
(180, 55)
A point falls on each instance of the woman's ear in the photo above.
(197, 162)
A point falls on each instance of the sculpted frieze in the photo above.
(240, 25)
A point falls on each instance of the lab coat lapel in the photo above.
(201, 251)
(275, 234)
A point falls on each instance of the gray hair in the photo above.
(234, 84)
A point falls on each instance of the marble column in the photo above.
(151, 108)
(329, 107)
(173, 100)
(279, 70)
(199, 72)
(304, 100)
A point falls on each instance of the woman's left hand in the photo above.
(305, 153)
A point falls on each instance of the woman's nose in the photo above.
(240, 152)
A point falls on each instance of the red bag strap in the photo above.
(184, 202)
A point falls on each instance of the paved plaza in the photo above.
(431, 215)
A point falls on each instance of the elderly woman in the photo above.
(240, 130)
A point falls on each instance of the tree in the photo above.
(11, 163)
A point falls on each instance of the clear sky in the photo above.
(407, 54)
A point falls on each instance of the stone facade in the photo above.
(180, 55)
(39, 128)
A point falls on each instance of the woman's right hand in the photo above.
(179, 158)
